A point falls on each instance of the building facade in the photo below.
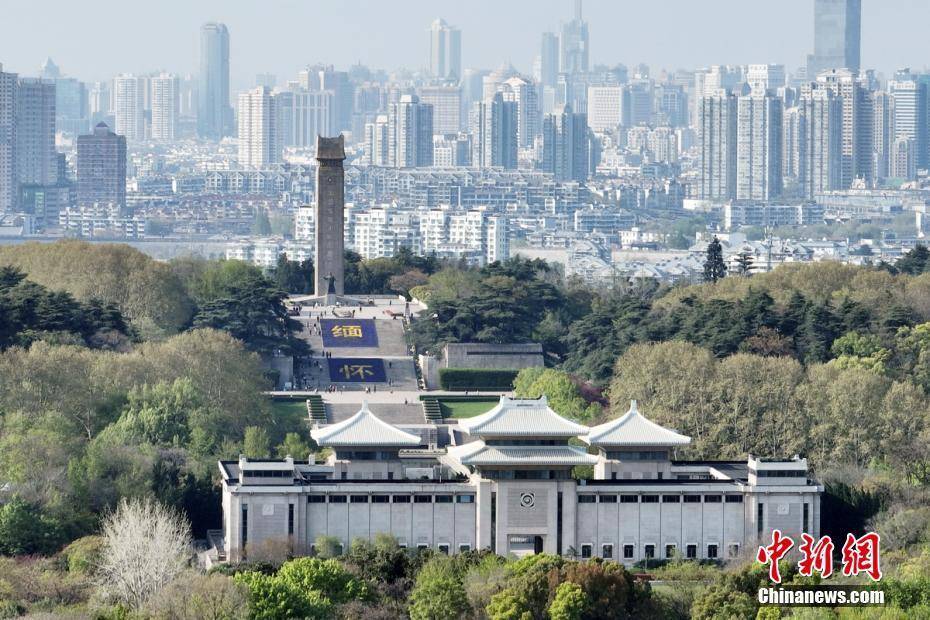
(101, 168)
(502, 481)
(214, 114)
(260, 140)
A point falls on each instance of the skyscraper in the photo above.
(523, 93)
(260, 139)
(164, 106)
(717, 138)
(837, 35)
(605, 106)
(378, 141)
(856, 134)
(549, 60)
(343, 96)
(909, 95)
(821, 115)
(214, 114)
(573, 49)
(565, 145)
(447, 107)
(445, 51)
(130, 112)
(759, 146)
(101, 168)
(36, 158)
(410, 131)
(494, 126)
(7, 139)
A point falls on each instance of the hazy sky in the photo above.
(95, 39)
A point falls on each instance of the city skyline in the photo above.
(305, 36)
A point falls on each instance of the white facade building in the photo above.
(164, 106)
(502, 481)
(604, 107)
(129, 93)
(260, 139)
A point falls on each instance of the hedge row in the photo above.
(476, 379)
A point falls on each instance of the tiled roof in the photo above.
(363, 429)
(522, 418)
(477, 453)
(632, 429)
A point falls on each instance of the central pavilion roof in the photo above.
(477, 453)
(632, 429)
(521, 418)
(364, 429)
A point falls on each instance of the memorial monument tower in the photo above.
(329, 273)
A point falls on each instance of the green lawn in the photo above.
(466, 408)
(289, 416)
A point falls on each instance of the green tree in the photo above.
(325, 576)
(256, 444)
(294, 446)
(25, 530)
(273, 598)
(559, 388)
(438, 593)
(159, 414)
(570, 602)
(744, 262)
(714, 267)
(293, 276)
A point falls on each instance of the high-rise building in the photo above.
(524, 94)
(821, 112)
(837, 36)
(903, 158)
(494, 127)
(857, 107)
(343, 96)
(260, 139)
(101, 168)
(7, 139)
(882, 133)
(214, 114)
(638, 101)
(164, 106)
(445, 51)
(129, 95)
(549, 60)
(565, 145)
(410, 132)
(447, 107)
(759, 146)
(378, 141)
(34, 151)
(303, 115)
(765, 77)
(671, 105)
(717, 139)
(605, 107)
(573, 44)
(910, 100)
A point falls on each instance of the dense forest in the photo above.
(123, 377)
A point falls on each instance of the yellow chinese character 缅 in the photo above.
(347, 331)
(362, 371)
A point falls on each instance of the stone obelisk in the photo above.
(329, 271)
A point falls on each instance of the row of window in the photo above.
(442, 547)
(268, 473)
(780, 473)
(609, 498)
(649, 551)
(395, 499)
(637, 455)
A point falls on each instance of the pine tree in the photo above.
(744, 261)
(714, 267)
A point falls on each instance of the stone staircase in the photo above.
(432, 411)
(316, 409)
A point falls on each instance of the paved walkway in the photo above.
(384, 395)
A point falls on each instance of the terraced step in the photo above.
(431, 409)
(316, 409)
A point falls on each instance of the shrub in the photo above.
(476, 378)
